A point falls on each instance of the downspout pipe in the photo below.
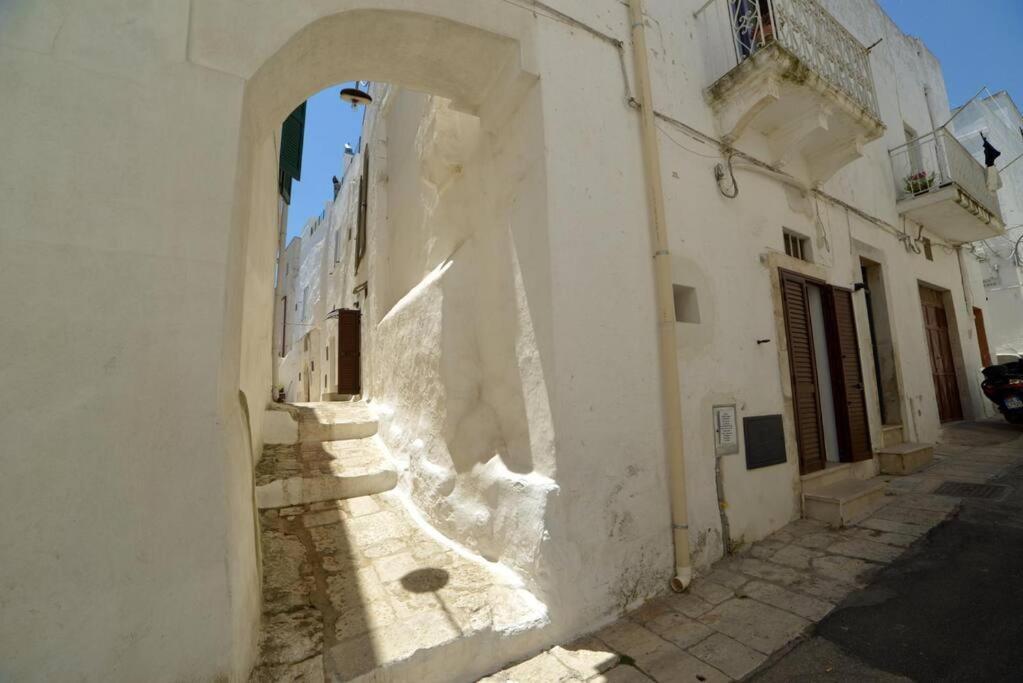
(672, 400)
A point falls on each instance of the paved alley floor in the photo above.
(898, 598)
(950, 608)
(352, 587)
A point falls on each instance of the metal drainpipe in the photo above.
(666, 307)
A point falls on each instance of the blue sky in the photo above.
(329, 124)
(974, 39)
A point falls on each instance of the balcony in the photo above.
(791, 71)
(939, 185)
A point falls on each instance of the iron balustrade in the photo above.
(934, 161)
(738, 29)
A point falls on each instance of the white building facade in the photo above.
(997, 118)
(494, 236)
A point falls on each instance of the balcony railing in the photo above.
(934, 161)
(738, 29)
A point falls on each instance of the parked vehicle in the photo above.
(1003, 385)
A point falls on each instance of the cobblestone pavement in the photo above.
(756, 604)
(355, 585)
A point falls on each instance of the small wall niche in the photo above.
(687, 304)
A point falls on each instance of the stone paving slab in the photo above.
(759, 601)
(356, 587)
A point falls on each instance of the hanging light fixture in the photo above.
(355, 96)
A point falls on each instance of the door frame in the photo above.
(955, 351)
(833, 351)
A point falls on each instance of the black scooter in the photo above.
(1003, 385)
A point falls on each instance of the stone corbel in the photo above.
(824, 164)
(788, 140)
(738, 108)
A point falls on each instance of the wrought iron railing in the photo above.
(934, 161)
(737, 29)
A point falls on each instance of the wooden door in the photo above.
(803, 372)
(847, 377)
(985, 349)
(946, 386)
(349, 351)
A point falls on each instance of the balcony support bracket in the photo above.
(827, 163)
(788, 139)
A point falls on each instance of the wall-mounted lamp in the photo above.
(355, 97)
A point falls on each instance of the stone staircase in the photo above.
(356, 587)
(905, 458)
(336, 455)
(842, 493)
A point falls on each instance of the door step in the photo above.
(832, 473)
(905, 458)
(845, 502)
(296, 474)
(891, 435)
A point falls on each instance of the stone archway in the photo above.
(481, 73)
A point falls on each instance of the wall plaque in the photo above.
(726, 431)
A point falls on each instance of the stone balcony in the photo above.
(791, 71)
(939, 185)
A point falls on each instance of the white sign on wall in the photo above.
(726, 431)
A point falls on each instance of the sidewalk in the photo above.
(755, 605)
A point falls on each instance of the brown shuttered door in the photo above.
(847, 378)
(349, 352)
(946, 386)
(803, 369)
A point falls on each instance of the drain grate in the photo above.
(962, 489)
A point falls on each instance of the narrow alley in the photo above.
(926, 589)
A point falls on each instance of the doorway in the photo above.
(829, 402)
(881, 343)
(939, 345)
(349, 352)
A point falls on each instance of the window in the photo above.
(337, 247)
(797, 246)
(312, 366)
(326, 352)
(305, 299)
(916, 157)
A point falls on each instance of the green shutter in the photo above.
(292, 136)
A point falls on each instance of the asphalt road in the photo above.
(950, 609)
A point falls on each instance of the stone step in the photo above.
(892, 435)
(287, 423)
(832, 473)
(905, 458)
(301, 473)
(844, 503)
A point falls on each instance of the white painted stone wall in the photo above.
(998, 117)
(512, 311)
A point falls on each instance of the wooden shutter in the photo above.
(847, 378)
(803, 371)
(946, 385)
(292, 140)
(349, 351)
